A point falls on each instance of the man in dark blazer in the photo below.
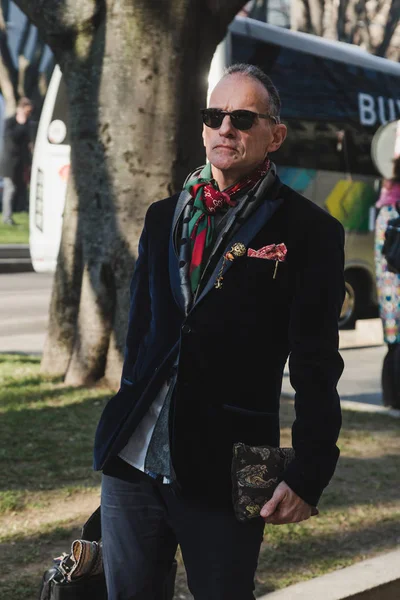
(15, 161)
(235, 275)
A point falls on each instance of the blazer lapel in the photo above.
(177, 284)
(244, 235)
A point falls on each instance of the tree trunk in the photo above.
(136, 81)
(66, 291)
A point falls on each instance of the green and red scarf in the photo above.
(208, 200)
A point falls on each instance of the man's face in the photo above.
(23, 113)
(231, 152)
(28, 111)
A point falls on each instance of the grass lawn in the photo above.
(48, 488)
(15, 234)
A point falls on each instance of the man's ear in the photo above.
(279, 133)
(202, 135)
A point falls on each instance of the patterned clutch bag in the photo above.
(256, 471)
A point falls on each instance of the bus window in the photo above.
(59, 134)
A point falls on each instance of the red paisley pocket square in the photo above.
(271, 252)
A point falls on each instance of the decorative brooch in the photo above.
(238, 249)
(276, 252)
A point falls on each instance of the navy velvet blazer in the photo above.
(233, 345)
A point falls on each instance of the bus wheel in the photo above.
(349, 312)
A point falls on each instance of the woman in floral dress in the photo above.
(388, 285)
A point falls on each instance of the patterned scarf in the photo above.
(208, 200)
(390, 194)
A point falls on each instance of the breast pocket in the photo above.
(250, 426)
(266, 270)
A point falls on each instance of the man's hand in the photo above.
(285, 506)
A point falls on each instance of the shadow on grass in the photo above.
(37, 380)
(359, 421)
(309, 554)
(363, 481)
(20, 357)
(14, 393)
(24, 559)
(352, 420)
(49, 448)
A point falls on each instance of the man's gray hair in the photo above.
(259, 75)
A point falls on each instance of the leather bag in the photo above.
(78, 575)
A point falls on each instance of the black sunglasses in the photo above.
(240, 119)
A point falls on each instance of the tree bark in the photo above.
(66, 291)
(136, 75)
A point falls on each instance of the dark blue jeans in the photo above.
(143, 522)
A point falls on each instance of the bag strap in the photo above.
(91, 530)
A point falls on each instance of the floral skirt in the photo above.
(388, 284)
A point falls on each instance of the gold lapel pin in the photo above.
(237, 250)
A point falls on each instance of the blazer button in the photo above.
(186, 328)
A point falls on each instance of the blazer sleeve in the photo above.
(315, 364)
(140, 307)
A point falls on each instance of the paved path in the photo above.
(24, 302)
(361, 376)
(362, 350)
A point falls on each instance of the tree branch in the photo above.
(5, 7)
(32, 71)
(330, 20)
(38, 52)
(65, 17)
(391, 25)
(9, 75)
(24, 38)
(316, 15)
(224, 10)
(341, 22)
(7, 89)
(2, 20)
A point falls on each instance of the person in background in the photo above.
(234, 274)
(388, 286)
(16, 160)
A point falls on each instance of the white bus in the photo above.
(49, 175)
(334, 98)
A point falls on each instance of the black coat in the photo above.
(234, 344)
(15, 153)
